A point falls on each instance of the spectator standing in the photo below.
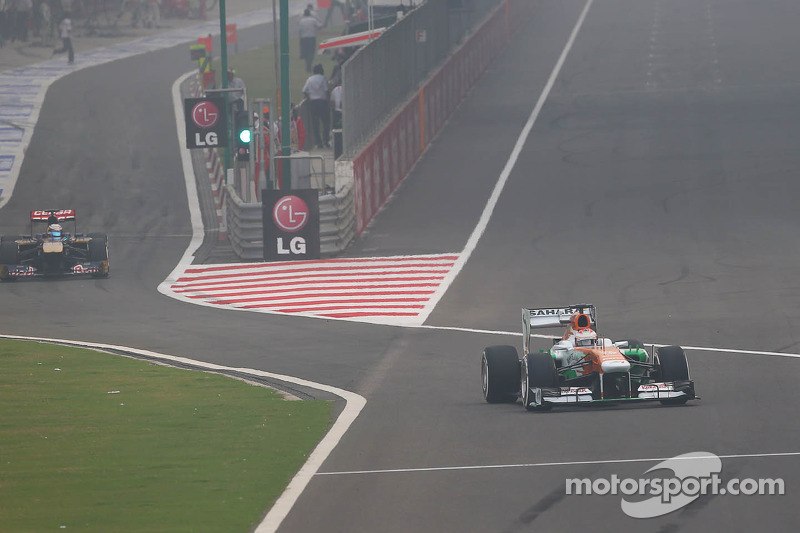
(298, 129)
(329, 14)
(65, 31)
(263, 158)
(316, 91)
(307, 28)
(336, 102)
(4, 6)
(236, 98)
(152, 14)
(336, 73)
(23, 19)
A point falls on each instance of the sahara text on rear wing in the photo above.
(552, 317)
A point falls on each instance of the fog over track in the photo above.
(658, 182)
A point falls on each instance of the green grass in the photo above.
(173, 450)
(257, 67)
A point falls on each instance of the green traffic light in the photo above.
(244, 135)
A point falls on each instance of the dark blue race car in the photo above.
(53, 252)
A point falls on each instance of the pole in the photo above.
(261, 146)
(370, 20)
(286, 133)
(276, 51)
(223, 52)
(252, 179)
(275, 103)
(273, 169)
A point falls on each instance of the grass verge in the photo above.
(99, 442)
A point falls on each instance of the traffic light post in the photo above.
(236, 121)
(243, 136)
(243, 165)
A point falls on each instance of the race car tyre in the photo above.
(537, 370)
(9, 255)
(500, 374)
(98, 252)
(673, 366)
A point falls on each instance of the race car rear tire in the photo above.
(9, 255)
(500, 374)
(673, 366)
(537, 370)
(98, 252)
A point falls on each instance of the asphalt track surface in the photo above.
(658, 182)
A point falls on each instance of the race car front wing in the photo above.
(23, 271)
(673, 390)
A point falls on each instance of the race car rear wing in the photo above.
(552, 317)
(44, 214)
(60, 215)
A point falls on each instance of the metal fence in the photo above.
(381, 76)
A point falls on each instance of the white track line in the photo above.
(353, 406)
(483, 222)
(195, 216)
(534, 465)
(657, 345)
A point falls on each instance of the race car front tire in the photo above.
(98, 252)
(9, 255)
(537, 370)
(673, 366)
(500, 374)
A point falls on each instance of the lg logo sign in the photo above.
(205, 114)
(206, 122)
(291, 214)
(291, 224)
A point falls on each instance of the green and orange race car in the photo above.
(53, 252)
(582, 367)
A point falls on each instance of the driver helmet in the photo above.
(585, 337)
(54, 230)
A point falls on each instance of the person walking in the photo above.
(307, 28)
(316, 91)
(23, 18)
(65, 30)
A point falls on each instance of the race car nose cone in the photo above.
(615, 366)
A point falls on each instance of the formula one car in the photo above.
(582, 367)
(53, 252)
